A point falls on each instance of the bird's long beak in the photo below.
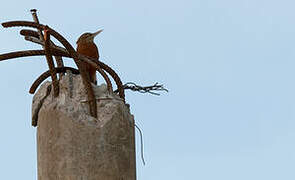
(91, 38)
(97, 32)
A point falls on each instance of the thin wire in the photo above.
(141, 143)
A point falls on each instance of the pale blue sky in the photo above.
(229, 66)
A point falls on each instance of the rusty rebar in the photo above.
(39, 105)
(40, 27)
(46, 74)
(94, 63)
(53, 46)
(59, 52)
(36, 20)
(22, 23)
(85, 77)
(60, 38)
(83, 58)
(115, 77)
(33, 36)
(73, 54)
(19, 54)
(59, 63)
(58, 59)
(50, 62)
(28, 32)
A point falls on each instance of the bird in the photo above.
(87, 47)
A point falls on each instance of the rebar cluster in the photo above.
(42, 37)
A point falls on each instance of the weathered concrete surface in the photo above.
(72, 145)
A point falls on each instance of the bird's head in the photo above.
(88, 37)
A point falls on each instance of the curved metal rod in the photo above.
(46, 74)
(58, 52)
(93, 63)
(73, 54)
(39, 26)
(115, 77)
(19, 54)
(82, 69)
(28, 32)
(23, 23)
(50, 62)
(59, 37)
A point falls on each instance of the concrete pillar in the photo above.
(72, 145)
